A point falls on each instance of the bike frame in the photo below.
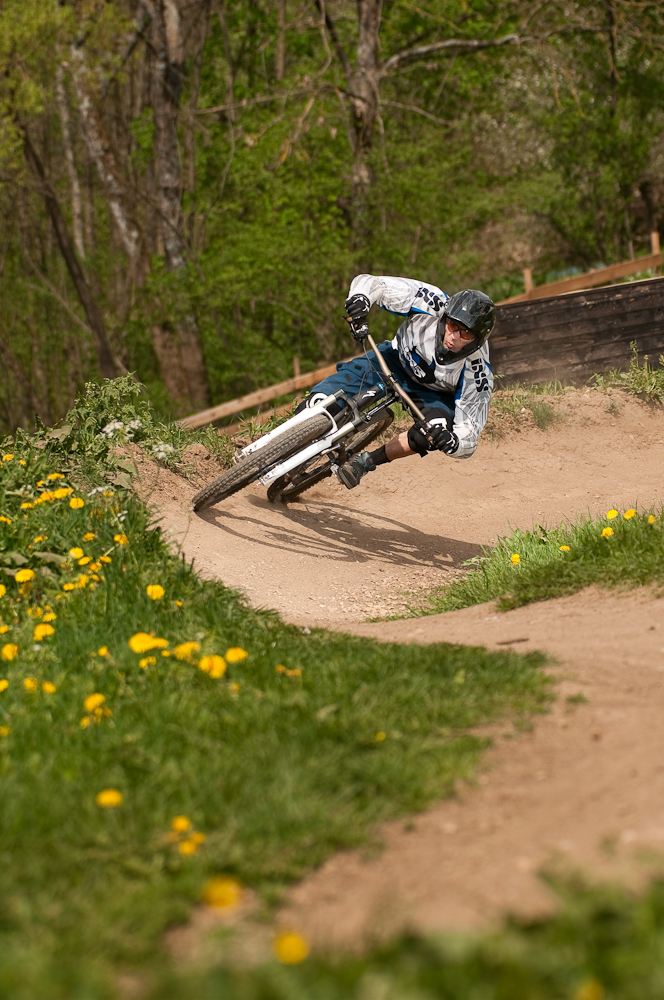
(336, 434)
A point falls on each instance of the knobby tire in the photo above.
(255, 465)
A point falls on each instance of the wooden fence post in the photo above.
(296, 367)
(528, 279)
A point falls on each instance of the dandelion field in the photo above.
(621, 549)
(156, 733)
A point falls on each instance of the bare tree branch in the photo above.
(457, 44)
(336, 42)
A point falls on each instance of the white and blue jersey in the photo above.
(470, 379)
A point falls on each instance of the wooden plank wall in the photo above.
(570, 337)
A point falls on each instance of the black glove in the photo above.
(357, 307)
(424, 437)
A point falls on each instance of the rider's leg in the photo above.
(356, 467)
(351, 376)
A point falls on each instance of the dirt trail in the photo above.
(586, 787)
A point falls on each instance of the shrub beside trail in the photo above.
(155, 732)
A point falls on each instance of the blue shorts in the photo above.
(364, 372)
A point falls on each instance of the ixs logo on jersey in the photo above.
(430, 298)
(479, 374)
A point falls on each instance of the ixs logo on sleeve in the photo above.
(479, 374)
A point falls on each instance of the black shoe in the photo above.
(356, 467)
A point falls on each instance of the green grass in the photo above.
(631, 556)
(645, 380)
(604, 945)
(277, 769)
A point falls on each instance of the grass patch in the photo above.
(278, 746)
(620, 550)
(644, 380)
(604, 944)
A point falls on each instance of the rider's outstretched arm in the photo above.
(398, 295)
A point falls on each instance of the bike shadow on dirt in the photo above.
(335, 531)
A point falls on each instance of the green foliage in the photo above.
(618, 551)
(604, 943)
(294, 752)
(642, 379)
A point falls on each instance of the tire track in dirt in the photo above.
(586, 786)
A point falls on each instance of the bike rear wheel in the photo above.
(255, 465)
(317, 469)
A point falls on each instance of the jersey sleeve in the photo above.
(399, 295)
(472, 400)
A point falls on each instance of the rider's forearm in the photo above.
(398, 447)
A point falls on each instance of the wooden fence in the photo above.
(561, 335)
(571, 337)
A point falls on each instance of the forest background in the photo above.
(188, 186)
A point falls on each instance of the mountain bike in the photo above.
(312, 444)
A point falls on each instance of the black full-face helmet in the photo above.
(474, 310)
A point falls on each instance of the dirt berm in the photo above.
(585, 788)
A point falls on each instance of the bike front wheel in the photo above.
(255, 465)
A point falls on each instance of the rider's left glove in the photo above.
(357, 307)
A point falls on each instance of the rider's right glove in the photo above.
(357, 307)
(425, 436)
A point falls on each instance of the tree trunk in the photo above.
(169, 81)
(102, 156)
(76, 201)
(363, 84)
(93, 313)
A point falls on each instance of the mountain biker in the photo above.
(440, 356)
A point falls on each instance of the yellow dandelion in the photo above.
(222, 892)
(40, 538)
(607, 532)
(235, 654)
(82, 581)
(180, 824)
(5, 730)
(62, 493)
(27, 506)
(197, 838)
(165, 652)
(564, 548)
(121, 539)
(592, 989)
(30, 684)
(6, 520)
(7, 458)
(108, 493)
(141, 642)
(48, 687)
(76, 503)
(24, 575)
(379, 737)
(9, 651)
(629, 514)
(69, 586)
(155, 591)
(84, 561)
(179, 604)
(4, 684)
(147, 661)
(651, 520)
(85, 722)
(102, 651)
(610, 514)
(40, 482)
(213, 665)
(41, 631)
(281, 669)
(234, 689)
(55, 475)
(3, 629)
(291, 948)
(187, 847)
(93, 701)
(94, 567)
(88, 536)
(3, 590)
(21, 462)
(185, 650)
(105, 559)
(516, 559)
(109, 798)
(50, 617)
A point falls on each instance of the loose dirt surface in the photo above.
(585, 788)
